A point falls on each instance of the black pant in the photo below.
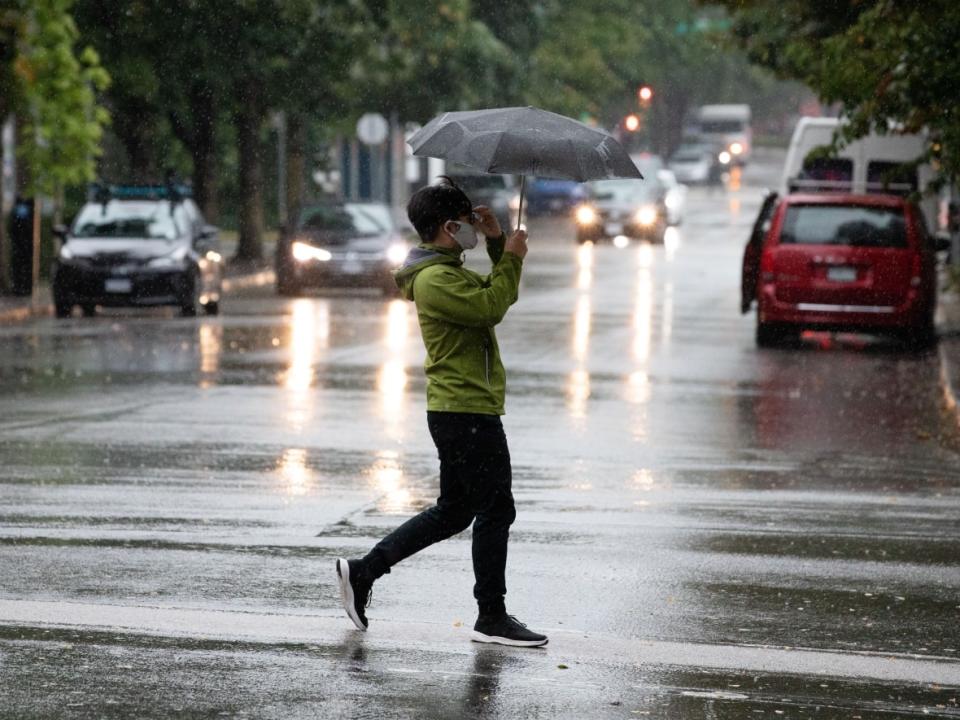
(475, 482)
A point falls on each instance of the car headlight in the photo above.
(174, 259)
(585, 215)
(66, 253)
(514, 203)
(724, 158)
(396, 253)
(646, 216)
(736, 148)
(303, 252)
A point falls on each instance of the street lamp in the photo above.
(631, 122)
(645, 93)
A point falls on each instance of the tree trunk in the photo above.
(248, 120)
(205, 158)
(296, 165)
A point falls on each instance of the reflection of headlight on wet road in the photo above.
(646, 216)
(724, 157)
(396, 253)
(586, 215)
(302, 252)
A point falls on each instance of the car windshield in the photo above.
(688, 156)
(151, 221)
(623, 191)
(721, 126)
(856, 226)
(341, 221)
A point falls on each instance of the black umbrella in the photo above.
(524, 141)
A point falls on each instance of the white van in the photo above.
(727, 126)
(873, 164)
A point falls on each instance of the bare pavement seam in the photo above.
(566, 644)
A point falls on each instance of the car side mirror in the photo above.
(209, 232)
(60, 231)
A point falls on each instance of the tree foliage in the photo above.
(891, 64)
(52, 86)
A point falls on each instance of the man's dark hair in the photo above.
(433, 205)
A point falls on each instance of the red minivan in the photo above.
(840, 262)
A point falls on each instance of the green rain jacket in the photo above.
(458, 309)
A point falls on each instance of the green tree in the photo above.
(892, 65)
(54, 93)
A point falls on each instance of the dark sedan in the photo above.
(341, 245)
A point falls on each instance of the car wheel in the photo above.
(921, 337)
(62, 309)
(212, 308)
(89, 310)
(189, 304)
(770, 335)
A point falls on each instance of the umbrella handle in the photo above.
(523, 187)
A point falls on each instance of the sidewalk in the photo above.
(949, 349)
(237, 276)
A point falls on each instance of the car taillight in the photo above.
(916, 279)
(766, 266)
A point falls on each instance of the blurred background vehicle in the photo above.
(728, 126)
(546, 196)
(138, 245)
(500, 193)
(697, 164)
(675, 196)
(873, 164)
(340, 245)
(622, 209)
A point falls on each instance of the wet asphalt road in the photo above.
(705, 529)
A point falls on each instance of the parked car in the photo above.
(675, 196)
(138, 245)
(546, 196)
(627, 208)
(340, 244)
(841, 262)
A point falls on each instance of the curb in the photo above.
(947, 386)
(25, 312)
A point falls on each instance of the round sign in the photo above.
(372, 128)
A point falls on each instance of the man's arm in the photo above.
(444, 293)
(495, 247)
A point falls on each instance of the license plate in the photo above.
(118, 285)
(613, 228)
(842, 274)
(352, 267)
(556, 204)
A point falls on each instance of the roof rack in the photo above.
(105, 192)
(847, 186)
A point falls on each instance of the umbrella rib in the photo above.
(573, 149)
(496, 149)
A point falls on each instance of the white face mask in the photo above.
(466, 237)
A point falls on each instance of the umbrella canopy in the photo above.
(524, 141)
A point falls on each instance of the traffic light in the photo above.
(631, 122)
